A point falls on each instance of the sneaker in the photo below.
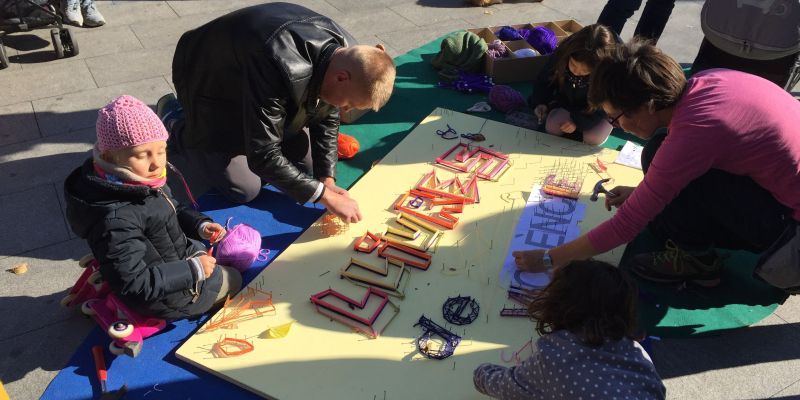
(71, 10)
(91, 16)
(674, 265)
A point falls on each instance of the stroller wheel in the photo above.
(3, 57)
(69, 43)
(57, 45)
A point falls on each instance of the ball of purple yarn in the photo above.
(508, 33)
(543, 40)
(497, 49)
(505, 98)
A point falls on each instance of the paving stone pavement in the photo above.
(47, 111)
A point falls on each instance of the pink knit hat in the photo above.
(127, 122)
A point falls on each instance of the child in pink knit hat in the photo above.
(147, 243)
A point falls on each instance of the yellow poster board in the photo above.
(322, 358)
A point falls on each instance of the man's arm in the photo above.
(264, 112)
(324, 144)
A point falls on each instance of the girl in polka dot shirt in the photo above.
(586, 318)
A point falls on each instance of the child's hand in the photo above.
(211, 228)
(540, 112)
(568, 127)
(208, 263)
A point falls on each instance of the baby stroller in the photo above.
(26, 15)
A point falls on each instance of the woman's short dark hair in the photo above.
(586, 46)
(636, 74)
(590, 298)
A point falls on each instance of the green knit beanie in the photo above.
(460, 51)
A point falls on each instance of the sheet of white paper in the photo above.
(545, 222)
(630, 155)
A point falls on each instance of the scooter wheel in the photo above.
(86, 308)
(120, 329)
(95, 278)
(66, 300)
(116, 350)
(85, 260)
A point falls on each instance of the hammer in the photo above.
(598, 188)
(102, 376)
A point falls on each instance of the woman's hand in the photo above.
(210, 229)
(622, 193)
(529, 260)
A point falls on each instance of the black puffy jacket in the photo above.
(139, 237)
(250, 80)
(547, 91)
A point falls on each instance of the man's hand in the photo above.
(210, 229)
(208, 263)
(568, 127)
(338, 201)
(330, 184)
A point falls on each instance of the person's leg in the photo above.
(597, 134)
(616, 13)
(555, 118)
(231, 176)
(231, 283)
(718, 209)
(654, 18)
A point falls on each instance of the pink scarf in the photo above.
(122, 176)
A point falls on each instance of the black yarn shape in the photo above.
(453, 310)
(430, 328)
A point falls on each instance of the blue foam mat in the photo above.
(156, 373)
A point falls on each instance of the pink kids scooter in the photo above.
(127, 328)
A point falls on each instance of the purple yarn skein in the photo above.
(543, 40)
(508, 33)
(505, 98)
(497, 49)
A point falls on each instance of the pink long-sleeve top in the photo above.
(728, 120)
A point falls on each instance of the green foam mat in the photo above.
(672, 310)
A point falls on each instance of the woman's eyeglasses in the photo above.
(613, 121)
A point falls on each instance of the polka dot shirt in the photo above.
(562, 367)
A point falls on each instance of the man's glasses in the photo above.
(613, 121)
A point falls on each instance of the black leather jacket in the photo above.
(249, 82)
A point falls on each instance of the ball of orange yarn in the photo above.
(348, 146)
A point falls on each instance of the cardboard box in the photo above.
(519, 69)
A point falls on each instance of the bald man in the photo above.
(261, 90)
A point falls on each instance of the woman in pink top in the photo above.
(726, 175)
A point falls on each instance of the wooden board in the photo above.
(321, 358)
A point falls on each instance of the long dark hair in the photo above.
(592, 299)
(586, 46)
